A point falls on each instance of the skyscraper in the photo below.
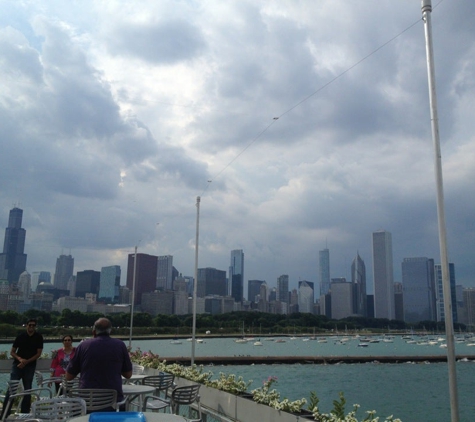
(358, 278)
(87, 281)
(211, 282)
(236, 275)
(440, 309)
(383, 275)
(306, 296)
(110, 283)
(283, 288)
(64, 271)
(13, 258)
(145, 276)
(324, 269)
(418, 285)
(253, 289)
(165, 272)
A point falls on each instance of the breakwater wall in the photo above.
(319, 360)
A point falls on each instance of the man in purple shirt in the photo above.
(102, 361)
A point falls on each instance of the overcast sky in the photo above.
(116, 115)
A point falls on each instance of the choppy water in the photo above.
(412, 392)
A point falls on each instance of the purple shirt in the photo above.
(101, 362)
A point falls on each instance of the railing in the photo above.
(216, 405)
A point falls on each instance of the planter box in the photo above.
(241, 408)
(42, 365)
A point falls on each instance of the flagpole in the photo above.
(448, 315)
(195, 282)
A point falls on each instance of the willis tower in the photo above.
(13, 258)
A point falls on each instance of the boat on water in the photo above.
(240, 340)
(258, 343)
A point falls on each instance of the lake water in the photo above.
(412, 392)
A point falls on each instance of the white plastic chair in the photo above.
(58, 409)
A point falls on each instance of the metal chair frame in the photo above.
(162, 382)
(16, 391)
(187, 395)
(96, 398)
(58, 409)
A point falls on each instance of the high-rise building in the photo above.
(211, 282)
(236, 275)
(398, 302)
(306, 296)
(145, 275)
(469, 305)
(418, 285)
(87, 282)
(439, 293)
(324, 270)
(342, 301)
(64, 271)
(165, 272)
(283, 288)
(24, 285)
(253, 289)
(383, 275)
(37, 277)
(13, 258)
(358, 278)
(110, 283)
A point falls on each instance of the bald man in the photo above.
(102, 361)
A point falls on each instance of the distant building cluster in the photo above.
(155, 286)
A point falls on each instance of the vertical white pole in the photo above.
(133, 300)
(449, 328)
(195, 283)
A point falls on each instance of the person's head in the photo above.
(102, 326)
(31, 326)
(67, 340)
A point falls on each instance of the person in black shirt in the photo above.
(26, 349)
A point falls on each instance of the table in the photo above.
(149, 417)
(134, 379)
(132, 391)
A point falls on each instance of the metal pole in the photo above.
(195, 283)
(449, 328)
(133, 300)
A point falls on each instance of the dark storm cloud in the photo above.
(161, 42)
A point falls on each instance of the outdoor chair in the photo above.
(41, 381)
(96, 398)
(16, 394)
(58, 409)
(189, 396)
(66, 386)
(160, 400)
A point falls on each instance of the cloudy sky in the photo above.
(300, 124)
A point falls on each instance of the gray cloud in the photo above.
(112, 120)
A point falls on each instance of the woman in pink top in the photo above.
(61, 359)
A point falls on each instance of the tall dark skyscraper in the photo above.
(383, 277)
(145, 277)
(358, 278)
(324, 267)
(64, 271)
(13, 258)
(236, 274)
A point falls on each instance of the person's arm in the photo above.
(69, 376)
(24, 362)
(127, 374)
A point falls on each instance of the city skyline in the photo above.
(300, 128)
(382, 261)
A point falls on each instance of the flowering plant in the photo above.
(264, 395)
(230, 383)
(4, 355)
(271, 397)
